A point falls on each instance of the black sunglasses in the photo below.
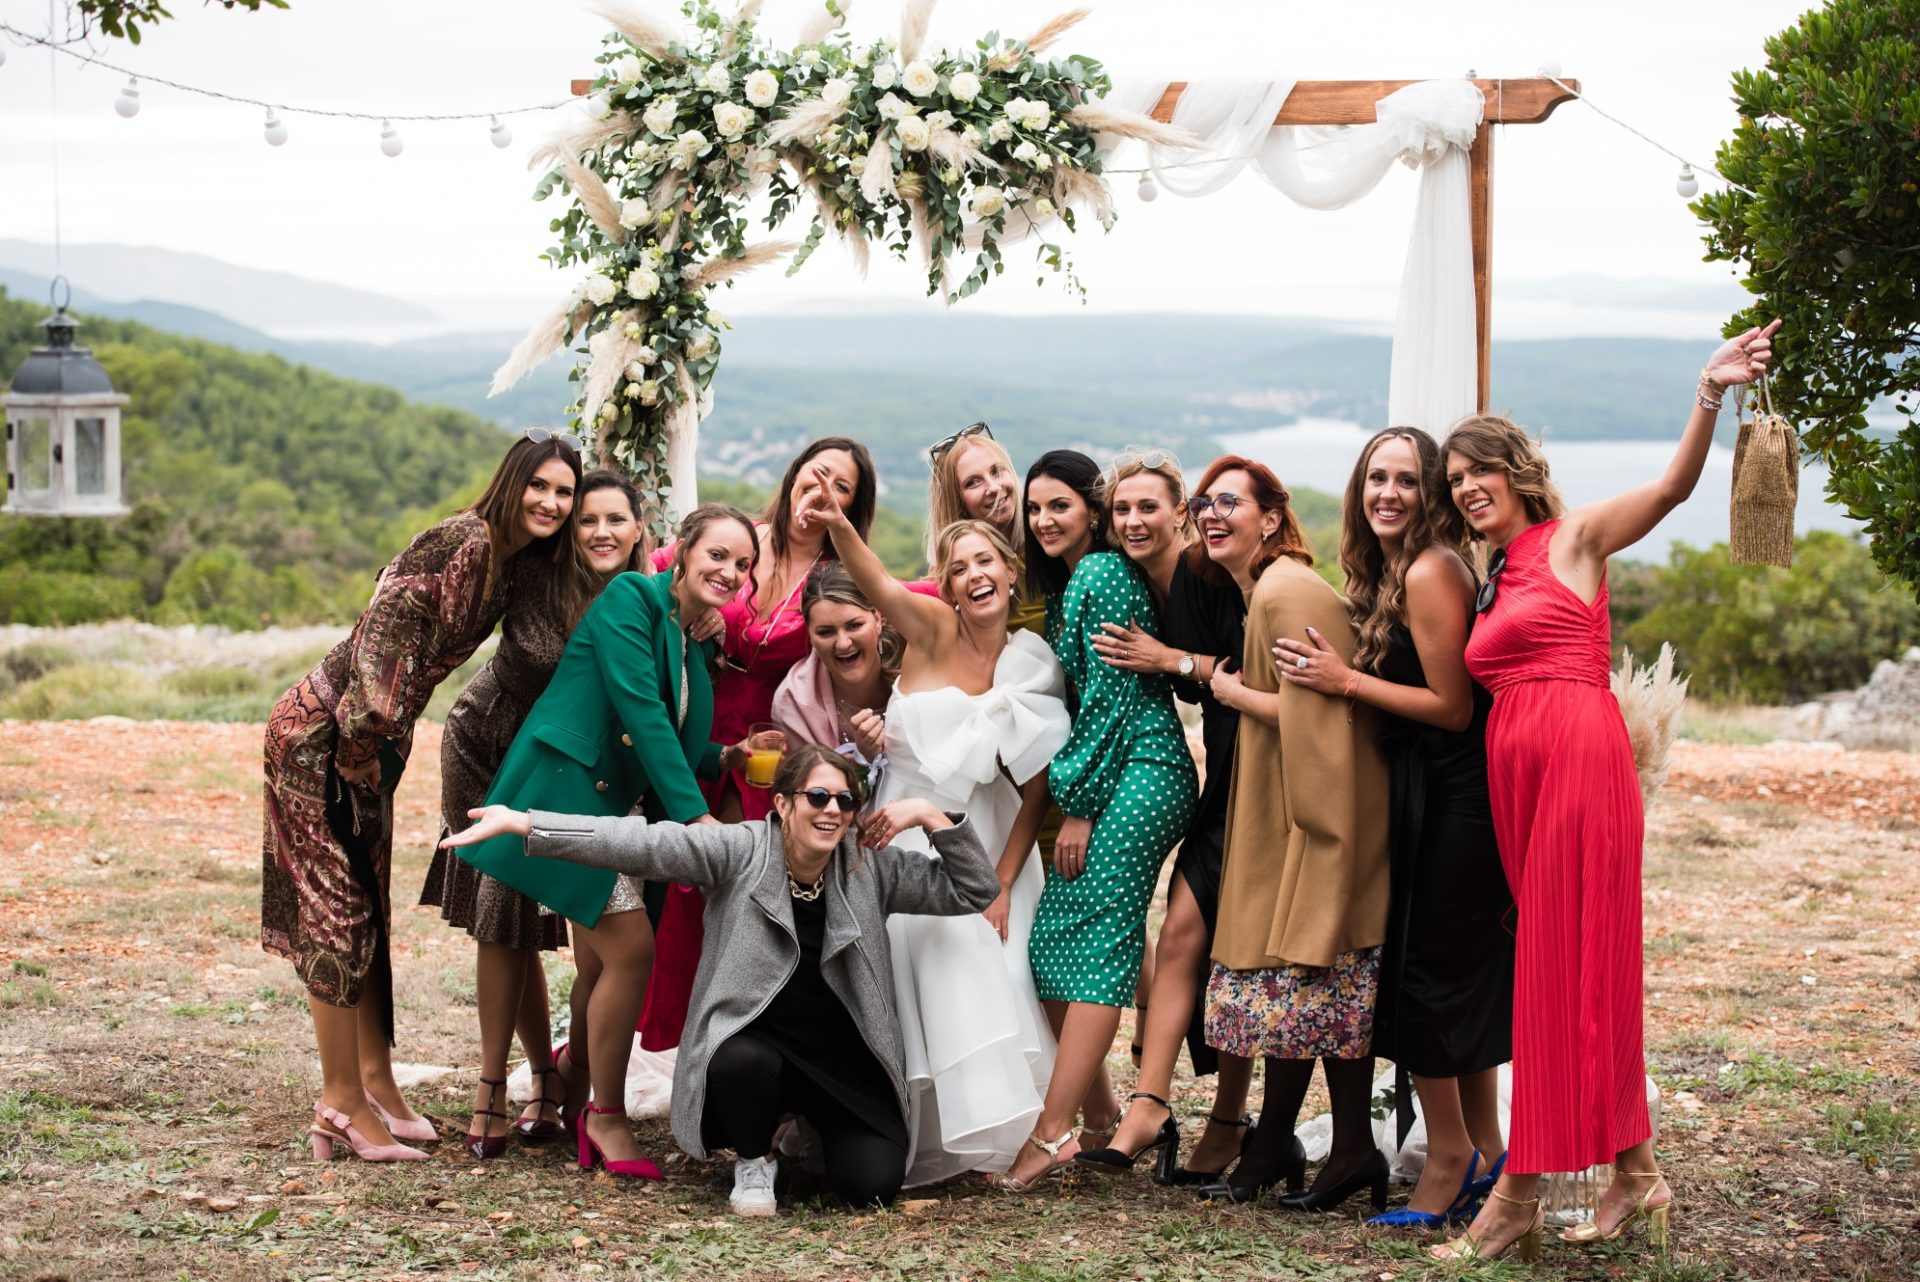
(1200, 504)
(1483, 599)
(541, 435)
(821, 798)
(946, 443)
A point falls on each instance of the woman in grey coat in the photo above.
(792, 1012)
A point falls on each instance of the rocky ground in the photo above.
(156, 1069)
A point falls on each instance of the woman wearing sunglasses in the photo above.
(1126, 782)
(793, 1007)
(626, 719)
(975, 718)
(1445, 1011)
(1567, 811)
(973, 480)
(1244, 521)
(336, 744)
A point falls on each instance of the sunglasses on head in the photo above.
(821, 798)
(1483, 599)
(1220, 504)
(946, 443)
(541, 435)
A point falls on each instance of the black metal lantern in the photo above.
(63, 429)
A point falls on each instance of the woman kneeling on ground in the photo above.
(793, 1010)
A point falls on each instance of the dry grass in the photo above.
(156, 1068)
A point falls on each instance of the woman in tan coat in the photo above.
(1303, 896)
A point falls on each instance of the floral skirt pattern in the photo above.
(1296, 1012)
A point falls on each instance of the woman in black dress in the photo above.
(1445, 1011)
(1243, 521)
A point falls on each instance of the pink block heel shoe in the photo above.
(331, 1127)
(417, 1131)
(639, 1168)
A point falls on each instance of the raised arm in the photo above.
(703, 854)
(918, 619)
(1596, 531)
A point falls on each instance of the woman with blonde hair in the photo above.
(1445, 1010)
(1567, 811)
(973, 480)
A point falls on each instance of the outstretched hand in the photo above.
(1744, 358)
(815, 503)
(894, 818)
(489, 822)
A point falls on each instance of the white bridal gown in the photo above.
(978, 1049)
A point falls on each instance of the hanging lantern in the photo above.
(63, 430)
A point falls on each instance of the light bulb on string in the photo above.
(1686, 184)
(1550, 68)
(390, 141)
(1148, 189)
(501, 135)
(128, 103)
(275, 129)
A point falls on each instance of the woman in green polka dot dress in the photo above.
(1126, 782)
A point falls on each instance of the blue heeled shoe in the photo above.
(1484, 1185)
(1405, 1217)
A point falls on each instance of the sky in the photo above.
(1589, 235)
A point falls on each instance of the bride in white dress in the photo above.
(975, 717)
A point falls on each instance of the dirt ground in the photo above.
(156, 1070)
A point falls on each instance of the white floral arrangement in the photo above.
(947, 154)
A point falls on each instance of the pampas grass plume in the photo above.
(1650, 700)
(647, 30)
(915, 16)
(594, 197)
(715, 271)
(823, 22)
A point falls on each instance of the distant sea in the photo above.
(1320, 453)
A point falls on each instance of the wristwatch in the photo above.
(1188, 666)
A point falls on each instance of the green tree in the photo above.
(1828, 226)
(123, 17)
(1766, 634)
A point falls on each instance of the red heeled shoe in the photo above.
(638, 1168)
(537, 1129)
(331, 1127)
(484, 1145)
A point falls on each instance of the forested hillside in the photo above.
(261, 491)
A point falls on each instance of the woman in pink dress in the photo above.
(1567, 814)
(766, 636)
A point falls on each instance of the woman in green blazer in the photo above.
(624, 721)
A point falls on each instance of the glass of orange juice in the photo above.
(766, 743)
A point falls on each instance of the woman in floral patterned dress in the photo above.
(336, 743)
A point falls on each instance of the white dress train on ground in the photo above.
(978, 1049)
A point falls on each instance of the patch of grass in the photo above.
(14, 993)
(1673, 943)
(1877, 1133)
(80, 690)
(23, 966)
(189, 1010)
(1730, 723)
(36, 1124)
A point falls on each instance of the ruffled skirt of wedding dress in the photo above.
(978, 1049)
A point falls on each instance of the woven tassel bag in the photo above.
(1766, 485)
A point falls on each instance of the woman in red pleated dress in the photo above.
(1566, 812)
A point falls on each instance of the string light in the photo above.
(128, 103)
(1687, 185)
(501, 135)
(275, 129)
(1148, 188)
(390, 140)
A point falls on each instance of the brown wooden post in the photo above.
(1480, 203)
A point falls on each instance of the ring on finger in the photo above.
(1300, 662)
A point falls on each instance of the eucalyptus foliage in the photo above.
(1828, 231)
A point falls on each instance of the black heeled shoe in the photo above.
(1292, 1169)
(1166, 1143)
(1186, 1176)
(1372, 1174)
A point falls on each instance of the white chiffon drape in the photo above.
(978, 1049)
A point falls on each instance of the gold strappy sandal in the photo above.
(1005, 1180)
(1526, 1246)
(1658, 1217)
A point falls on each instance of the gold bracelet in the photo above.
(1709, 394)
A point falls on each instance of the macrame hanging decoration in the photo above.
(1766, 484)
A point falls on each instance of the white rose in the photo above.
(650, 392)
(861, 57)
(999, 131)
(701, 345)
(950, 176)
(885, 76)
(965, 86)
(1025, 151)
(716, 319)
(599, 289)
(914, 133)
(687, 146)
(659, 115)
(809, 57)
(731, 119)
(988, 201)
(1038, 115)
(765, 161)
(632, 330)
(632, 390)
(643, 282)
(837, 93)
(1043, 162)
(762, 88)
(716, 79)
(894, 107)
(941, 120)
(635, 213)
(919, 79)
(626, 69)
(636, 371)
(1044, 208)
(609, 412)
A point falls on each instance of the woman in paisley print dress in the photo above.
(336, 743)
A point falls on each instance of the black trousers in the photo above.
(751, 1086)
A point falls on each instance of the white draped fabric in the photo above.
(978, 1048)
(1427, 126)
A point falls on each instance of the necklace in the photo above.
(808, 893)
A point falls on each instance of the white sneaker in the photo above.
(753, 1186)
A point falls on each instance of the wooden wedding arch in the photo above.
(1351, 102)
